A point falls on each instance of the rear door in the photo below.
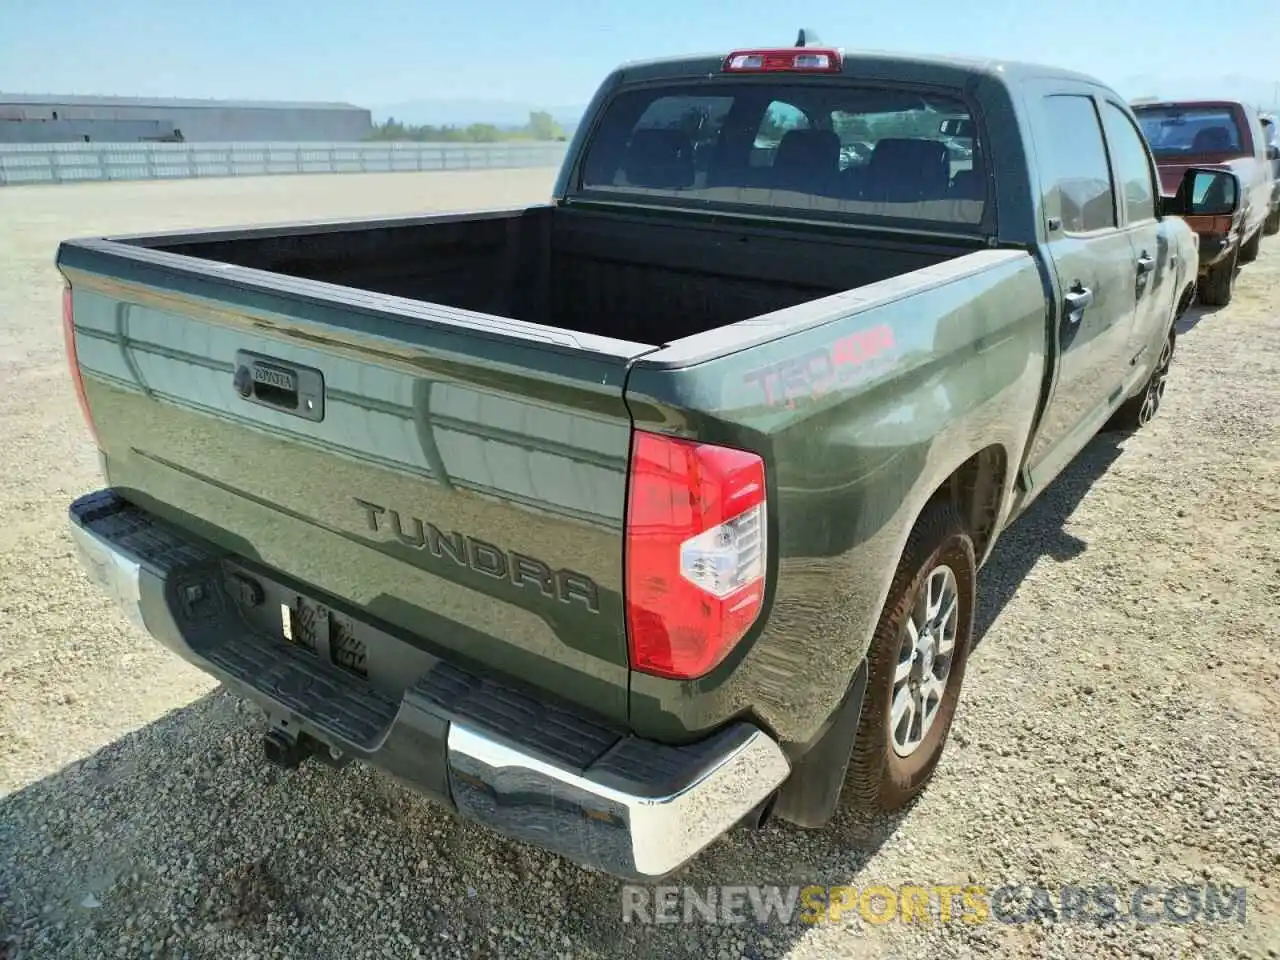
(1093, 262)
(457, 477)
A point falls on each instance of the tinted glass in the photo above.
(1132, 165)
(1175, 131)
(1077, 176)
(836, 149)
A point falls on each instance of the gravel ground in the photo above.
(1118, 725)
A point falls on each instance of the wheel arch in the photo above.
(977, 489)
(1185, 300)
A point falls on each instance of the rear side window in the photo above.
(876, 151)
(1077, 177)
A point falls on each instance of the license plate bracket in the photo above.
(330, 635)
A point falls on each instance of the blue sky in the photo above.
(553, 52)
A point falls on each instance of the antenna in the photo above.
(807, 38)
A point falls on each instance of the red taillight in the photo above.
(696, 553)
(787, 60)
(73, 361)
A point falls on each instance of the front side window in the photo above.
(838, 149)
(1132, 165)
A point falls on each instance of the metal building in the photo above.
(47, 118)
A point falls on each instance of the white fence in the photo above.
(27, 163)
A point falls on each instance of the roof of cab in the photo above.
(869, 63)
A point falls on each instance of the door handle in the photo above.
(1146, 264)
(1076, 299)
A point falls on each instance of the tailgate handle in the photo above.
(280, 385)
(275, 385)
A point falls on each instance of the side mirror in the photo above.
(1204, 192)
(1273, 152)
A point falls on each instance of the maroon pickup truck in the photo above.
(1215, 133)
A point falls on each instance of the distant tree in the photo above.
(484, 133)
(390, 129)
(543, 126)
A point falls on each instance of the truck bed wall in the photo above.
(641, 278)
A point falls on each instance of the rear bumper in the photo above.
(531, 770)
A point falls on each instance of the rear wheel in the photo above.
(1249, 251)
(1272, 225)
(915, 666)
(1219, 283)
(1136, 412)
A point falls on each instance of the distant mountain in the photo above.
(1250, 90)
(459, 113)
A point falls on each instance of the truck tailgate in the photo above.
(458, 477)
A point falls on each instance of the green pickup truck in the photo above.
(621, 520)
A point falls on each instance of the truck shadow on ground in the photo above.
(1042, 531)
(179, 835)
(1191, 319)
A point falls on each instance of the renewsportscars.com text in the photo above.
(936, 903)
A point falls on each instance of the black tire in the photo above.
(879, 779)
(1218, 285)
(1251, 248)
(1139, 410)
(1272, 225)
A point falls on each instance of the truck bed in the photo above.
(447, 456)
(641, 278)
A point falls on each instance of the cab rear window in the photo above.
(1175, 131)
(875, 151)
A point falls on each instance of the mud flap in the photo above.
(811, 794)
